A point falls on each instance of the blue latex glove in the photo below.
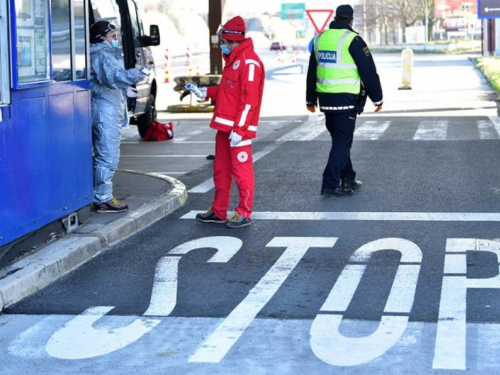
(132, 92)
(201, 93)
(235, 138)
(139, 76)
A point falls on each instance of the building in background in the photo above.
(489, 13)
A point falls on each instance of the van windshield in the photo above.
(106, 10)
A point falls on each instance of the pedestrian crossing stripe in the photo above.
(458, 129)
(425, 130)
(371, 216)
(374, 130)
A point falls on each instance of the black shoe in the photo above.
(209, 217)
(111, 206)
(337, 192)
(238, 221)
(351, 184)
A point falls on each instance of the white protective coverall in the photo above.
(108, 80)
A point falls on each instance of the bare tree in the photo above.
(387, 16)
(429, 6)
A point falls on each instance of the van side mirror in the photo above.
(154, 37)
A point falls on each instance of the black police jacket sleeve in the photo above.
(311, 95)
(366, 68)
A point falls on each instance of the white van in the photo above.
(136, 53)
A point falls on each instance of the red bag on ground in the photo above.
(159, 131)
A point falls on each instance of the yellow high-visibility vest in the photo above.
(336, 72)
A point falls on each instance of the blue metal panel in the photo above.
(7, 185)
(61, 159)
(30, 158)
(46, 158)
(83, 147)
(45, 149)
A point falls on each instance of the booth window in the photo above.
(68, 43)
(80, 39)
(32, 30)
(61, 40)
(4, 55)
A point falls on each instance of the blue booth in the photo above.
(45, 117)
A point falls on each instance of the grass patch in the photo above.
(490, 67)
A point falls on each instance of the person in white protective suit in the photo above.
(108, 81)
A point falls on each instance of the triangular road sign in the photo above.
(319, 18)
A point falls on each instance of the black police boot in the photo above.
(337, 192)
(351, 184)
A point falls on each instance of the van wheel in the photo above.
(144, 120)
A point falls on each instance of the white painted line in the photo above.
(495, 120)
(176, 141)
(307, 132)
(80, 339)
(431, 131)
(450, 346)
(189, 134)
(164, 293)
(274, 122)
(216, 346)
(451, 335)
(208, 185)
(182, 141)
(312, 126)
(204, 187)
(169, 173)
(486, 130)
(372, 216)
(371, 130)
(163, 156)
(455, 264)
(343, 291)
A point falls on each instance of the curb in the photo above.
(48, 264)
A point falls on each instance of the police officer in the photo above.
(341, 72)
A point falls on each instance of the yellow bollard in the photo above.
(406, 67)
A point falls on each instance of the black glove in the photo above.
(361, 101)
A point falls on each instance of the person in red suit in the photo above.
(237, 100)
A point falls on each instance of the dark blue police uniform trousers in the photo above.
(341, 127)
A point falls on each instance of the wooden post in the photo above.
(215, 8)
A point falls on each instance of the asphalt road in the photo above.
(403, 277)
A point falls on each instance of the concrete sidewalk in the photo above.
(150, 198)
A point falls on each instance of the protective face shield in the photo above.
(99, 30)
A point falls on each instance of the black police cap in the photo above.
(344, 11)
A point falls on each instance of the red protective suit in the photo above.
(237, 107)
